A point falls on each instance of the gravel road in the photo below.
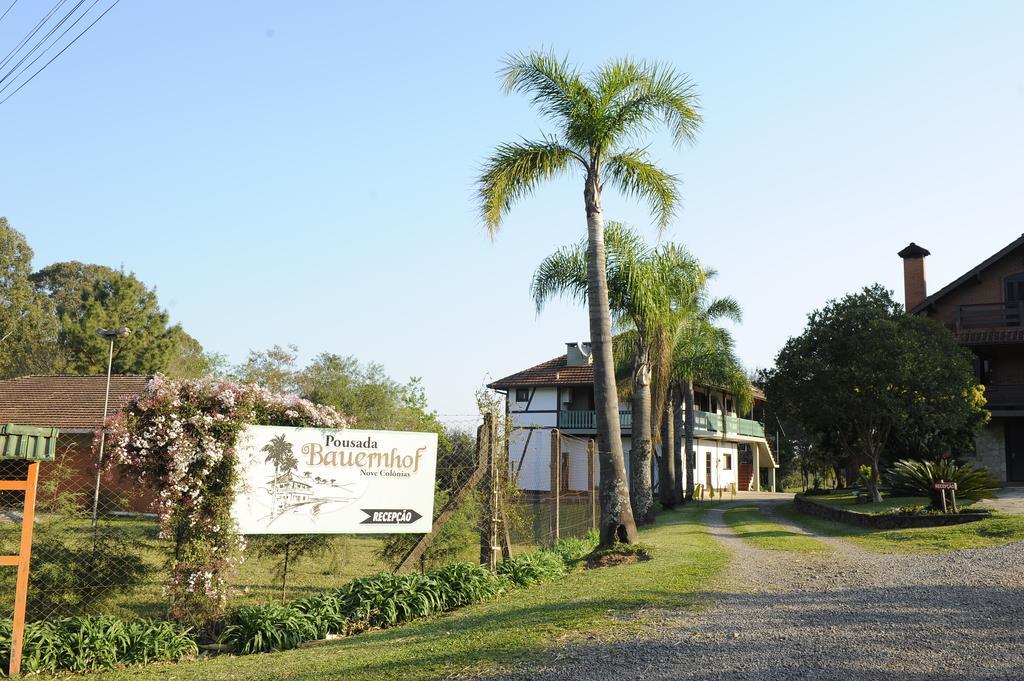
(850, 615)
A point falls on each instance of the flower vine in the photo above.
(178, 438)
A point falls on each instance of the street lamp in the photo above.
(110, 334)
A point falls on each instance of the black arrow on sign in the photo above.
(389, 516)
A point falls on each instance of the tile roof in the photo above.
(990, 336)
(66, 402)
(552, 372)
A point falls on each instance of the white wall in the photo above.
(720, 477)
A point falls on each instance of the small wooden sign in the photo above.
(943, 486)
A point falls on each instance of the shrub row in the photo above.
(92, 643)
(386, 600)
(95, 643)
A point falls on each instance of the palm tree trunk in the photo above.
(683, 473)
(641, 497)
(667, 481)
(616, 524)
(691, 455)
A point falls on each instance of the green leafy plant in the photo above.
(910, 477)
(531, 568)
(83, 644)
(386, 600)
(463, 584)
(266, 628)
(864, 475)
(574, 549)
(325, 612)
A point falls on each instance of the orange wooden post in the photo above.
(24, 556)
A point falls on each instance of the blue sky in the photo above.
(303, 172)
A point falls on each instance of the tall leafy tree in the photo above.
(646, 286)
(28, 329)
(89, 297)
(870, 381)
(189, 360)
(600, 118)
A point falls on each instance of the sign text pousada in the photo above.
(321, 481)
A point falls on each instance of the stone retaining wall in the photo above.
(882, 522)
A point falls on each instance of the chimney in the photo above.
(577, 354)
(915, 289)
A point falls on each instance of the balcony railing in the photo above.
(587, 420)
(990, 315)
(702, 420)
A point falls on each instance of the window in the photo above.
(727, 462)
(522, 395)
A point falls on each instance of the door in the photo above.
(1014, 429)
(707, 473)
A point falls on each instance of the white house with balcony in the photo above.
(730, 450)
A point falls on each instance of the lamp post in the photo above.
(110, 335)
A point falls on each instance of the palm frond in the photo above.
(724, 308)
(554, 86)
(637, 95)
(635, 175)
(563, 273)
(514, 171)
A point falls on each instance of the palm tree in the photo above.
(279, 453)
(645, 287)
(599, 117)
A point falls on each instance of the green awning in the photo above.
(28, 443)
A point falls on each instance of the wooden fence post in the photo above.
(556, 482)
(591, 482)
(483, 434)
(494, 502)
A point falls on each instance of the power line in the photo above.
(50, 47)
(42, 40)
(62, 50)
(31, 33)
(8, 10)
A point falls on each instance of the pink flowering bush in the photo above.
(178, 439)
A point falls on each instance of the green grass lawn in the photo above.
(513, 627)
(750, 525)
(995, 531)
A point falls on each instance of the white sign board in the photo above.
(321, 481)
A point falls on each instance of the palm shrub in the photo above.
(266, 628)
(911, 477)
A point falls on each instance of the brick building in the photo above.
(74, 404)
(984, 309)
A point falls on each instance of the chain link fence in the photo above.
(96, 547)
(555, 477)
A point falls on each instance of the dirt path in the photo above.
(847, 615)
